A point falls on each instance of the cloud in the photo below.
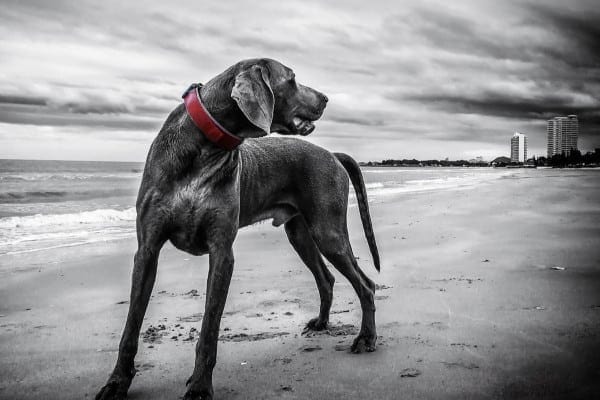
(42, 116)
(420, 73)
(503, 103)
(539, 62)
(577, 30)
(23, 100)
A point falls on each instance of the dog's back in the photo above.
(288, 171)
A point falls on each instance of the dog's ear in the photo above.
(254, 97)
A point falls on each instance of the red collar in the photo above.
(206, 123)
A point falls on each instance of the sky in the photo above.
(90, 80)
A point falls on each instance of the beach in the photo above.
(489, 289)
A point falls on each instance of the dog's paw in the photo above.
(197, 390)
(198, 395)
(363, 344)
(111, 391)
(316, 324)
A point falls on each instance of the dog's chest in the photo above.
(199, 208)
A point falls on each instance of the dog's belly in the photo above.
(280, 213)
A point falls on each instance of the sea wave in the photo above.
(39, 242)
(463, 181)
(85, 217)
(374, 185)
(33, 194)
(23, 234)
(43, 196)
(67, 176)
(424, 170)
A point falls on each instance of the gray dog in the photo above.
(197, 192)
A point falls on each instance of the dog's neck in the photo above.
(184, 149)
(196, 149)
(194, 146)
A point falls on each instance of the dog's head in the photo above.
(269, 97)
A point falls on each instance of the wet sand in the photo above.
(486, 292)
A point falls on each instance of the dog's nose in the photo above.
(325, 98)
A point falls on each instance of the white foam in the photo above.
(463, 181)
(89, 240)
(48, 231)
(40, 176)
(374, 185)
(84, 217)
(425, 170)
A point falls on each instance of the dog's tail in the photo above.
(353, 170)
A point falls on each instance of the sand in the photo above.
(486, 292)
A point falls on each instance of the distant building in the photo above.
(562, 135)
(518, 148)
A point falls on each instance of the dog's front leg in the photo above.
(219, 277)
(142, 281)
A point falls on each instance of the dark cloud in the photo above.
(537, 32)
(579, 27)
(45, 116)
(88, 106)
(504, 104)
(23, 100)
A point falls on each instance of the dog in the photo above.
(200, 185)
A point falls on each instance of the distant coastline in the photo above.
(572, 160)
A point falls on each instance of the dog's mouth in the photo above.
(303, 126)
(301, 123)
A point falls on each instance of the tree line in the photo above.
(574, 158)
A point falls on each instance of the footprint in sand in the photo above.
(310, 349)
(244, 337)
(144, 367)
(410, 373)
(154, 334)
(339, 311)
(460, 364)
(438, 325)
(342, 347)
(464, 345)
(191, 318)
(255, 315)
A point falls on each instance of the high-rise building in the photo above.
(518, 148)
(562, 135)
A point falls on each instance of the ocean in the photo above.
(52, 204)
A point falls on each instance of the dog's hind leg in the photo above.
(142, 281)
(333, 242)
(302, 241)
(219, 277)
